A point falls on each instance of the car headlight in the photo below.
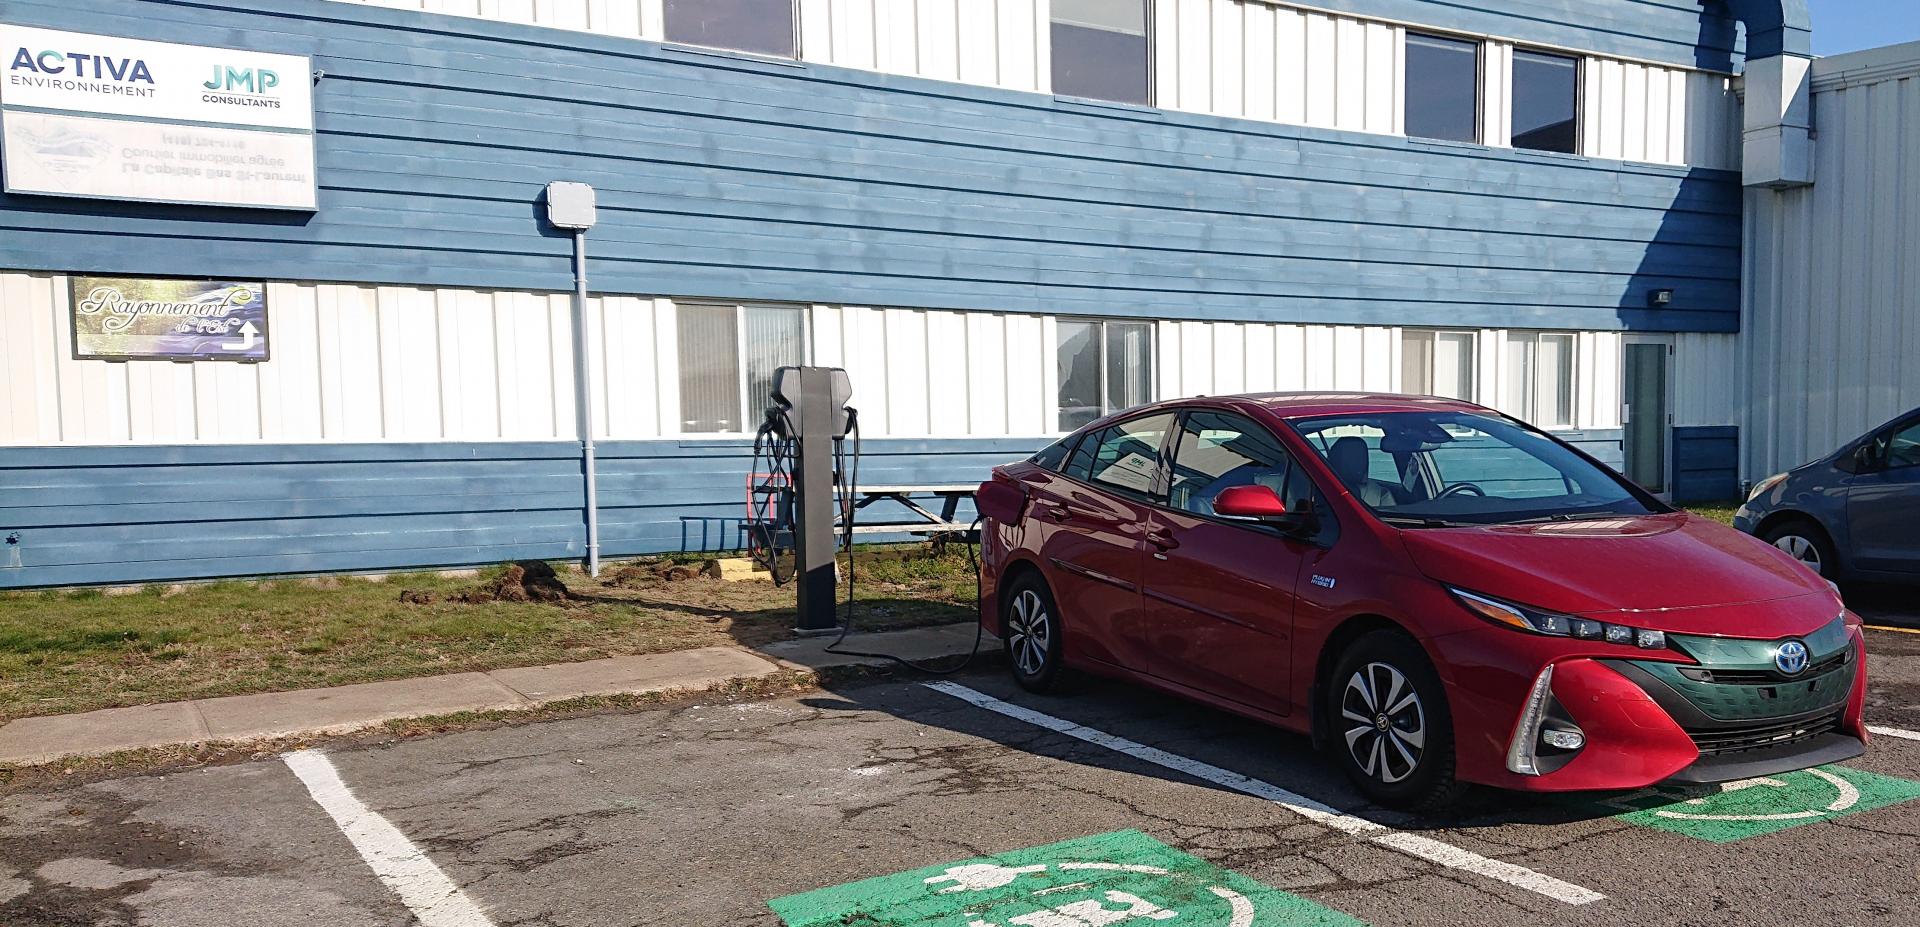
(1553, 624)
(1764, 485)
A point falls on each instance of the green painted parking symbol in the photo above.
(1124, 877)
(1752, 807)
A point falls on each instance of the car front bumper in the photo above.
(1638, 730)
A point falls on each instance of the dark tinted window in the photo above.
(1100, 50)
(764, 27)
(1903, 448)
(1546, 102)
(1124, 457)
(1443, 88)
(1053, 455)
(1217, 451)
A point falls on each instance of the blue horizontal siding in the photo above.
(729, 177)
(93, 515)
(90, 515)
(1706, 463)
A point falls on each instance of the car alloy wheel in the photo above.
(1384, 723)
(1801, 549)
(1029, 633)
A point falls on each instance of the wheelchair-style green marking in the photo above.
(1764, 805)
(1122, 878)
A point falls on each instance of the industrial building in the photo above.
(1002, 217)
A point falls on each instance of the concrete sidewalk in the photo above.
(342, 709)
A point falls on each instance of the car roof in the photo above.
(1313, 404)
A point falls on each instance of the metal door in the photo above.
(1647, 410)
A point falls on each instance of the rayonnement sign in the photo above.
(123, 318)
(128, 119)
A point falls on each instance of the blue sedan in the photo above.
(1852, 515)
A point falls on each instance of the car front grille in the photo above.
(1729, 677)
(1724, 740)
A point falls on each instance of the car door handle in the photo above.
(1162, 540)
(1059, 513)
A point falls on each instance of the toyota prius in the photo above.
(1438, 594)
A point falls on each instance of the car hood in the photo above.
(1679, 573)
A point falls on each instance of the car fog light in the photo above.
(1563, 740)
(1619, 634)
(1651, 640)
(1586, 629)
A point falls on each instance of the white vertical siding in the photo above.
(1644, 112)
(357, 363)
(1222, 358)
(628, 18)
(990, 43)
(1831, 326)
(1254, 60)
(1709, 382)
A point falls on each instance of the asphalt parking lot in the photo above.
(881, 803)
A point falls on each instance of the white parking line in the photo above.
(1412, 844)
(1893, 732)
(432, 897)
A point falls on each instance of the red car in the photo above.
(1439, 594)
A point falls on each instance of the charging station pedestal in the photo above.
(816, 402)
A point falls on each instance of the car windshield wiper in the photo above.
(1565, 516)
(1422, 521)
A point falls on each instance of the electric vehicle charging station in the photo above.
(804, 437)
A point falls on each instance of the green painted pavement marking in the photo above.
(1118, 878)
(1752, 807)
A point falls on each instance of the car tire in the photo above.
(1396, 746)
(1033, 632)
(1805, 541)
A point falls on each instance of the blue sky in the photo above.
(1850, 25)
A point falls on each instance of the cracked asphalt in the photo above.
(700, 814)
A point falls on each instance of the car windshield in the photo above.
(1438, 469)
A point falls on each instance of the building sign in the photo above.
(120, 318)
(125, 119)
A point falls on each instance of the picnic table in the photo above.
(925, 522)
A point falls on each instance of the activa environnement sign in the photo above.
(122, 318)
(126, 119)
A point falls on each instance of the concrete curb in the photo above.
(346, 709)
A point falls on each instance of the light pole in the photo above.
(571, 206)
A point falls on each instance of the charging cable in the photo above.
(848, 490)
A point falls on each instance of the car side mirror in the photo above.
(1256, 503)
(1862, 460)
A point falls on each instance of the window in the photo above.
(1546, 102)
(1124, 457)
(1540, 378)
(1438, 364)
(1218, 451)
(1899, 449)
(726, 381)
(764, 27)
(1443, 88)
(1465, 468)
(1105, 367)
(1100, 50)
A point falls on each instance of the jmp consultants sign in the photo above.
(121, 318)
(125, 119)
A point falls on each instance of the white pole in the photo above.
(583, 389)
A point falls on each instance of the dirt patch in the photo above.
(524, 581)
(647, 575)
